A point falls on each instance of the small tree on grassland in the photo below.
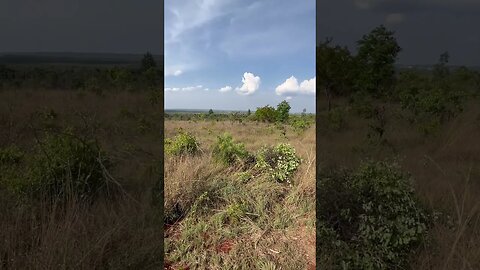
(283, 108)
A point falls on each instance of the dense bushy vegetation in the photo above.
(182, 144)
(227, 151)
(369, 218)
(62, 165)
(280, 162)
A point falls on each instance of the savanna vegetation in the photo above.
(240, 190)
(399, 175)
(79, 167)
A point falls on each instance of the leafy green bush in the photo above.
(10, 155)
(227, 151)
(61, 165)
(280, 161)
(182, 144)
(370, 219)
(300, 125)
(266, 114)
(429, 103)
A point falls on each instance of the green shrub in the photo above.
(300, 125)
(227, 151)
(182, 144)
(370, 219)
(280, 161)
(61, 165)
(10, 155)
(11, 158)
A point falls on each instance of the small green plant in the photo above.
(235, 212)
(227, 151)
(244, 176)
(182, 144)
(370, 218)
(280, 161)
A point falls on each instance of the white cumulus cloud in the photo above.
(184, 89)
(291, 86)
(251, 83)
(226, 89)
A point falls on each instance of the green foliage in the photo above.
(227, 151)
(300, 124)
(377, 53)
(244, 176)
(370, 218)
(10, 155)
(148, 62)
(283, 108)
(61, 166)
(182, 144)
(336, 119)
(335, 70)
(266, 114)
(430, 101)
(235, 212)
(280, 162)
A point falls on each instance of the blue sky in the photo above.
(239, 54)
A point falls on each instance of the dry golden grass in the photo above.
(111, 232)
(279, 232)
(446, 173)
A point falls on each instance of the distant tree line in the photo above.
(370, 78)
(372, 72)
(70, 77)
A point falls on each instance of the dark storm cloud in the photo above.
(408, 6)
(424, 28)
(117, 26)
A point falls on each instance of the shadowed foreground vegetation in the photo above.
(399, 175)
(239, 194)
(77, 173)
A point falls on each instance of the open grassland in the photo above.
(77, 173)
(221, 216)
(444, 167)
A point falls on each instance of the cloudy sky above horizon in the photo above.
(88, 26)
(424, 28)
(239, 54)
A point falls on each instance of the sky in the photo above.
(424, 28)
(239, 54)
(105, 26)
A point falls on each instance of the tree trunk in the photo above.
(327, 94)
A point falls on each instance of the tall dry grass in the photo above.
(446, 171)
(112, 232)
(278, 232)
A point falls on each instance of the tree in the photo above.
(335, 70)
(440, 70)
(148, 62)
(210, 112)
(249, 112)
(266, 114)
(377, 53)
(283, 108)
